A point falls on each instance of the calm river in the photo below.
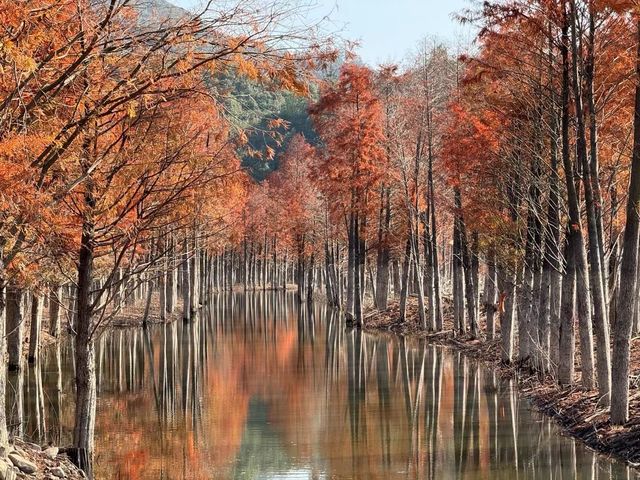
(259, 388)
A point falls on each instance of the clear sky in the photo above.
(389, 29)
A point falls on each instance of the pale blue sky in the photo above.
(389, 29)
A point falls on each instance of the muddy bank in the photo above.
(578, 412)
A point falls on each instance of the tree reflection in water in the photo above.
(258, 386)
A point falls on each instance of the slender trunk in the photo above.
(404, 288)
(55, 300)
(525, 301)
(384, 253)
(4, 437)
(246, 266)
(147, 305)
(628, 273)
(397, 283)
(310, 278)
(300, 268)
(575, 226)
(549, 306)
(274, 267)
(507, 312)
(544, 316)
(37, 302)
(359, 268)
(362, 259)
(415, 255)
(552, 255)
(475, 273)
(15, 326)
(83, 432)
(490, 292)
(171, 282)
(458, 281)
(162, 279)
(593, 147)
(264, 262)
(328, 266)
(351, 265)
(194, 275)
(567, 343)
(285, 268)
(469, 287)
(595, 280)
(434, 249)
(186, 282)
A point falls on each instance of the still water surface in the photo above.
(259, 388)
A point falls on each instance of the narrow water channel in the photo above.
(258, 388)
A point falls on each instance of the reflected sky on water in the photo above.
(260, 388)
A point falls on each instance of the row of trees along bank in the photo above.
(118, 167)
(493, 182)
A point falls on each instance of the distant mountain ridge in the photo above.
(158, 9)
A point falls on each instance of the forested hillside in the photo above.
(267, 114)
(271, 117)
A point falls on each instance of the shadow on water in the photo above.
(260, 387)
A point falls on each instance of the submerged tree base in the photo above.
(577, 411)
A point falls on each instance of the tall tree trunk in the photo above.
(162, 278)
(628, 273)
(552, 278)
(351, 266)
(596, 281)
(469, 287)
(194, 275)
(458, 280)
(397, 282)
(328, 266)
(274, 266)
(384, 253)
(286, 268)
(590, 73)
(528, 335)
(507, 303)
(15, 326)
(404, 282)
(86, 395)
(55, 300)
(171, 284)
(265, 254)
(186, 281)
(434, 242)
(575, 225)
(415, 255)
(147, 305)
(300, 268)
(358, 278)
(566, 339)
(37, 302)
(362, 258)
(310, 278)
(428, 273)
(490, 293)
(4, 437)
